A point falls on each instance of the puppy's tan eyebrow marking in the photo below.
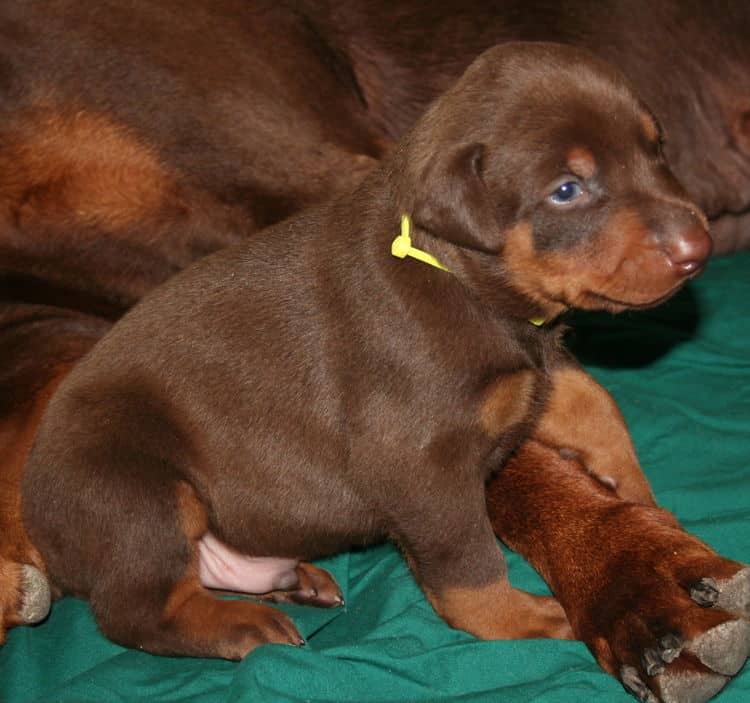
(581, 162)
(650, 128)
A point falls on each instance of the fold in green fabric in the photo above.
(681, 374)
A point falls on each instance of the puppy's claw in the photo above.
(37, 597)
(705, 593)
(632, 682)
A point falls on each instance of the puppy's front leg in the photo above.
(583, 421)
(463, 573)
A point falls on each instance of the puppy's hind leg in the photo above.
(272, 578)
(118, 526)
(177, 614)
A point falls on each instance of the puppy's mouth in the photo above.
(616, 305)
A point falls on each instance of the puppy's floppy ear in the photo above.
(452, 201)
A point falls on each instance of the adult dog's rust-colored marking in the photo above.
(507, 402)
(59, 165)
(10, 595)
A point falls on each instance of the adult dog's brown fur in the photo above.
(347, 396)
(136, 138)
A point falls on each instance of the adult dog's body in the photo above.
(309, 391)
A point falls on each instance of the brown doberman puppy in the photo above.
(329, 384)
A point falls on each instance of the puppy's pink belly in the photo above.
(223, 567)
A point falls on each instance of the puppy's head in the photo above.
(543, 157)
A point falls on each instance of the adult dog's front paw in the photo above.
(694, 666)
(668, 616)
(660, 610)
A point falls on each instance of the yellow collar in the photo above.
(401, 247)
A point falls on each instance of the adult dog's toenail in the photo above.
(652, 662)
(670, 647)
(633, 684)
(36, 600)
(724, 648)
(705, 592)
(735, 593)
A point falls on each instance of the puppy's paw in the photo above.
(197, 623)
(311, 586)
(265, 626)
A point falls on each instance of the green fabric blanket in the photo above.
(682, 376)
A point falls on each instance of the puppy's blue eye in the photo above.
(566, 193)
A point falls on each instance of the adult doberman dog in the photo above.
(137, 138)
(328, 384)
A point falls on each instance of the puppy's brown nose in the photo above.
(688, 251)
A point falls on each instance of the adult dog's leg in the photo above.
(659, 609)
(38, 345)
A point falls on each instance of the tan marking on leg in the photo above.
(230, 629)
(581, 415)
(500, 612)
(507, 402)
(193, 522)
(59, 165)
(581, 162)
(193, 514)
(650, 127)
